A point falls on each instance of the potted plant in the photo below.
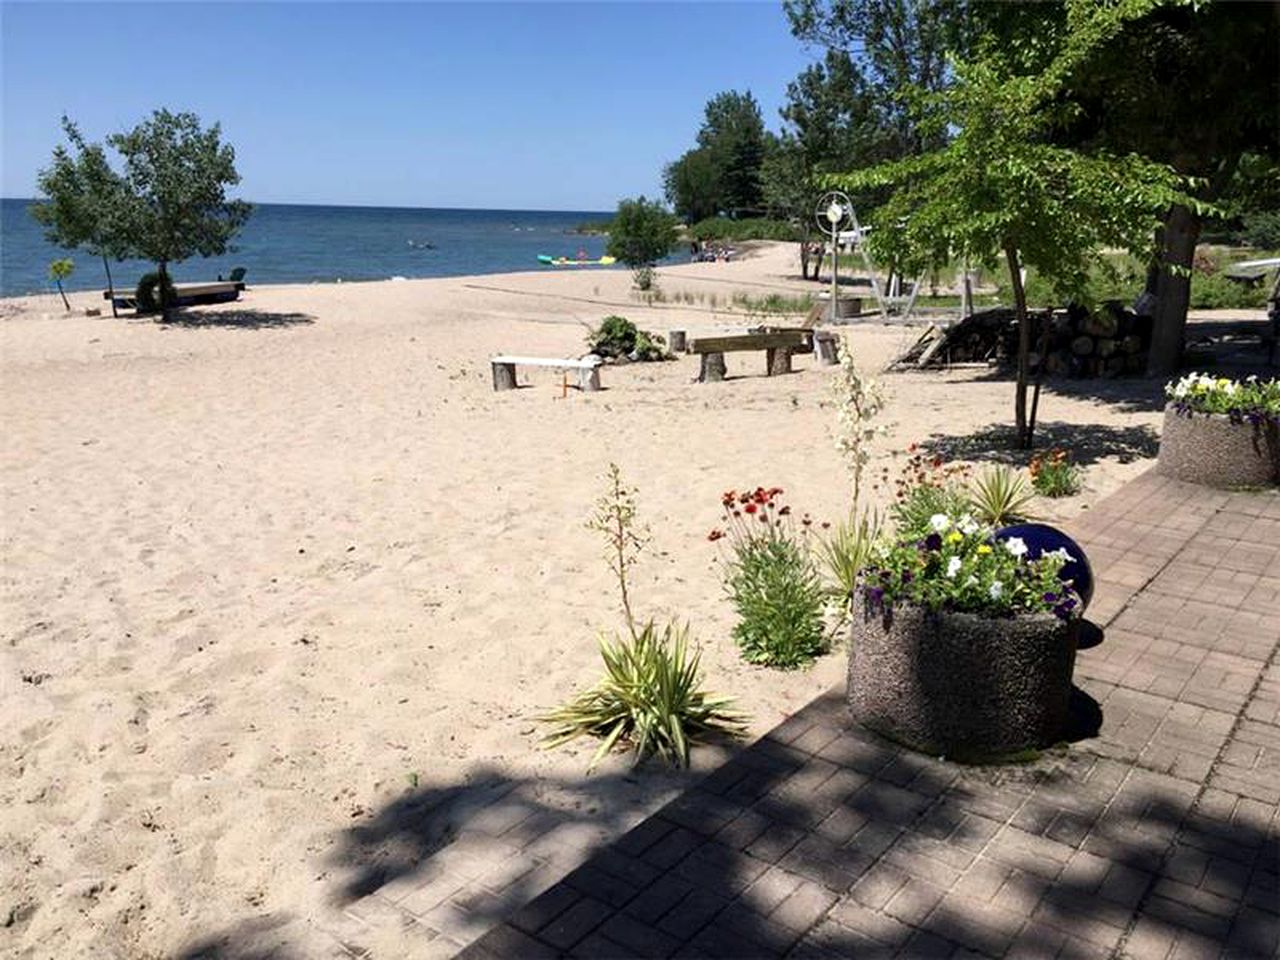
(964, 641)
(1222, 432)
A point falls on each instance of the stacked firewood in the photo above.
(1109, 341)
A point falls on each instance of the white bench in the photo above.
(504, 369)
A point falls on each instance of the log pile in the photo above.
(1110, 341)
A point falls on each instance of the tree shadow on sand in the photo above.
(1087, 443)
(237, 319)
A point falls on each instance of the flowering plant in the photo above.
(959, 566)
(858, 401)
(1053, 474)
(771, 577)
(1252, 400)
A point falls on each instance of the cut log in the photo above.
(676, 341)
(1131, 344)
(713, 369)
(1082, 346)
(1105, 347)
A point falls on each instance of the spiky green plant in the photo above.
(844, 551)
(650, 699)
(1000, 496)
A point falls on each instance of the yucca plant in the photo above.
(844, 551)
(650, 700)
(1000, 496)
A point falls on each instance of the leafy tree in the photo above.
(1194, 85)
(734, 138)
(642, 233)
(999, 190)
(85, 203)
(59, 270)
(176, 175)
(692, 185)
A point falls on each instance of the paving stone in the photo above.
(638, 939)
(693, 913)
(806, 905)
(575, 923)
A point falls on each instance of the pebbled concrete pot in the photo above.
(1208, 448)
(959, 685)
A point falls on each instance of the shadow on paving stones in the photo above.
(1087, 442)
(821, 840)
(237, 319)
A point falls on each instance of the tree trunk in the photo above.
(1024, 349)
(804, 259)
(111, 287)
(164, 290)
(1042, 351)
(1173, 292)
(65, 302)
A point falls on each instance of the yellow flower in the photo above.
(983, 548)
(955, 536)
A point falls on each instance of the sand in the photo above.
(266, 573)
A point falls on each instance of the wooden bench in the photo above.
(777, 345)
(187, 294)
(504, 370)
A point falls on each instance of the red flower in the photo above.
(751, 508)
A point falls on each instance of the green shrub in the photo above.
(1054, 475)
(650, 699)
(147, 295)
(1214, 291)
(1262, 229)
(773, 581)
(619, 337)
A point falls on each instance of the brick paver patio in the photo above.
(1157, 836)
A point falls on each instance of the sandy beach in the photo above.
(266, 572)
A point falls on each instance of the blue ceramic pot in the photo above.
(1042, 538)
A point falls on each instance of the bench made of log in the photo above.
(504, 369)
(777, 345)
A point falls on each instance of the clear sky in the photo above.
(527, 106)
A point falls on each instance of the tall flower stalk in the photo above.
(615, 519)
(858, 401)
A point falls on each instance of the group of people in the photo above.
(702, 252)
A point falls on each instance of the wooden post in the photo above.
(589, 379)
(713, 369)
(777, 361)
(504, 376)
(676, 341)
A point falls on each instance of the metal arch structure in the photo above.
(833, 211)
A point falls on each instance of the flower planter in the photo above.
(960, 685)
(1208, 448)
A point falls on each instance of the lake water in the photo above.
(287, 243)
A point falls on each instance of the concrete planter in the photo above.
(959, 685)
(1210, 449)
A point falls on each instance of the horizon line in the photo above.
(385, 206)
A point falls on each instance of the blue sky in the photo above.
(529, 105)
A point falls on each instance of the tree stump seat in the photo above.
(504, 369)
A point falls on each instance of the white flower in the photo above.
(940, 522)
(1060, 554)
(996, 589)
(953, 567)
(970, 581)
(969, 526)
(1016, 546)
